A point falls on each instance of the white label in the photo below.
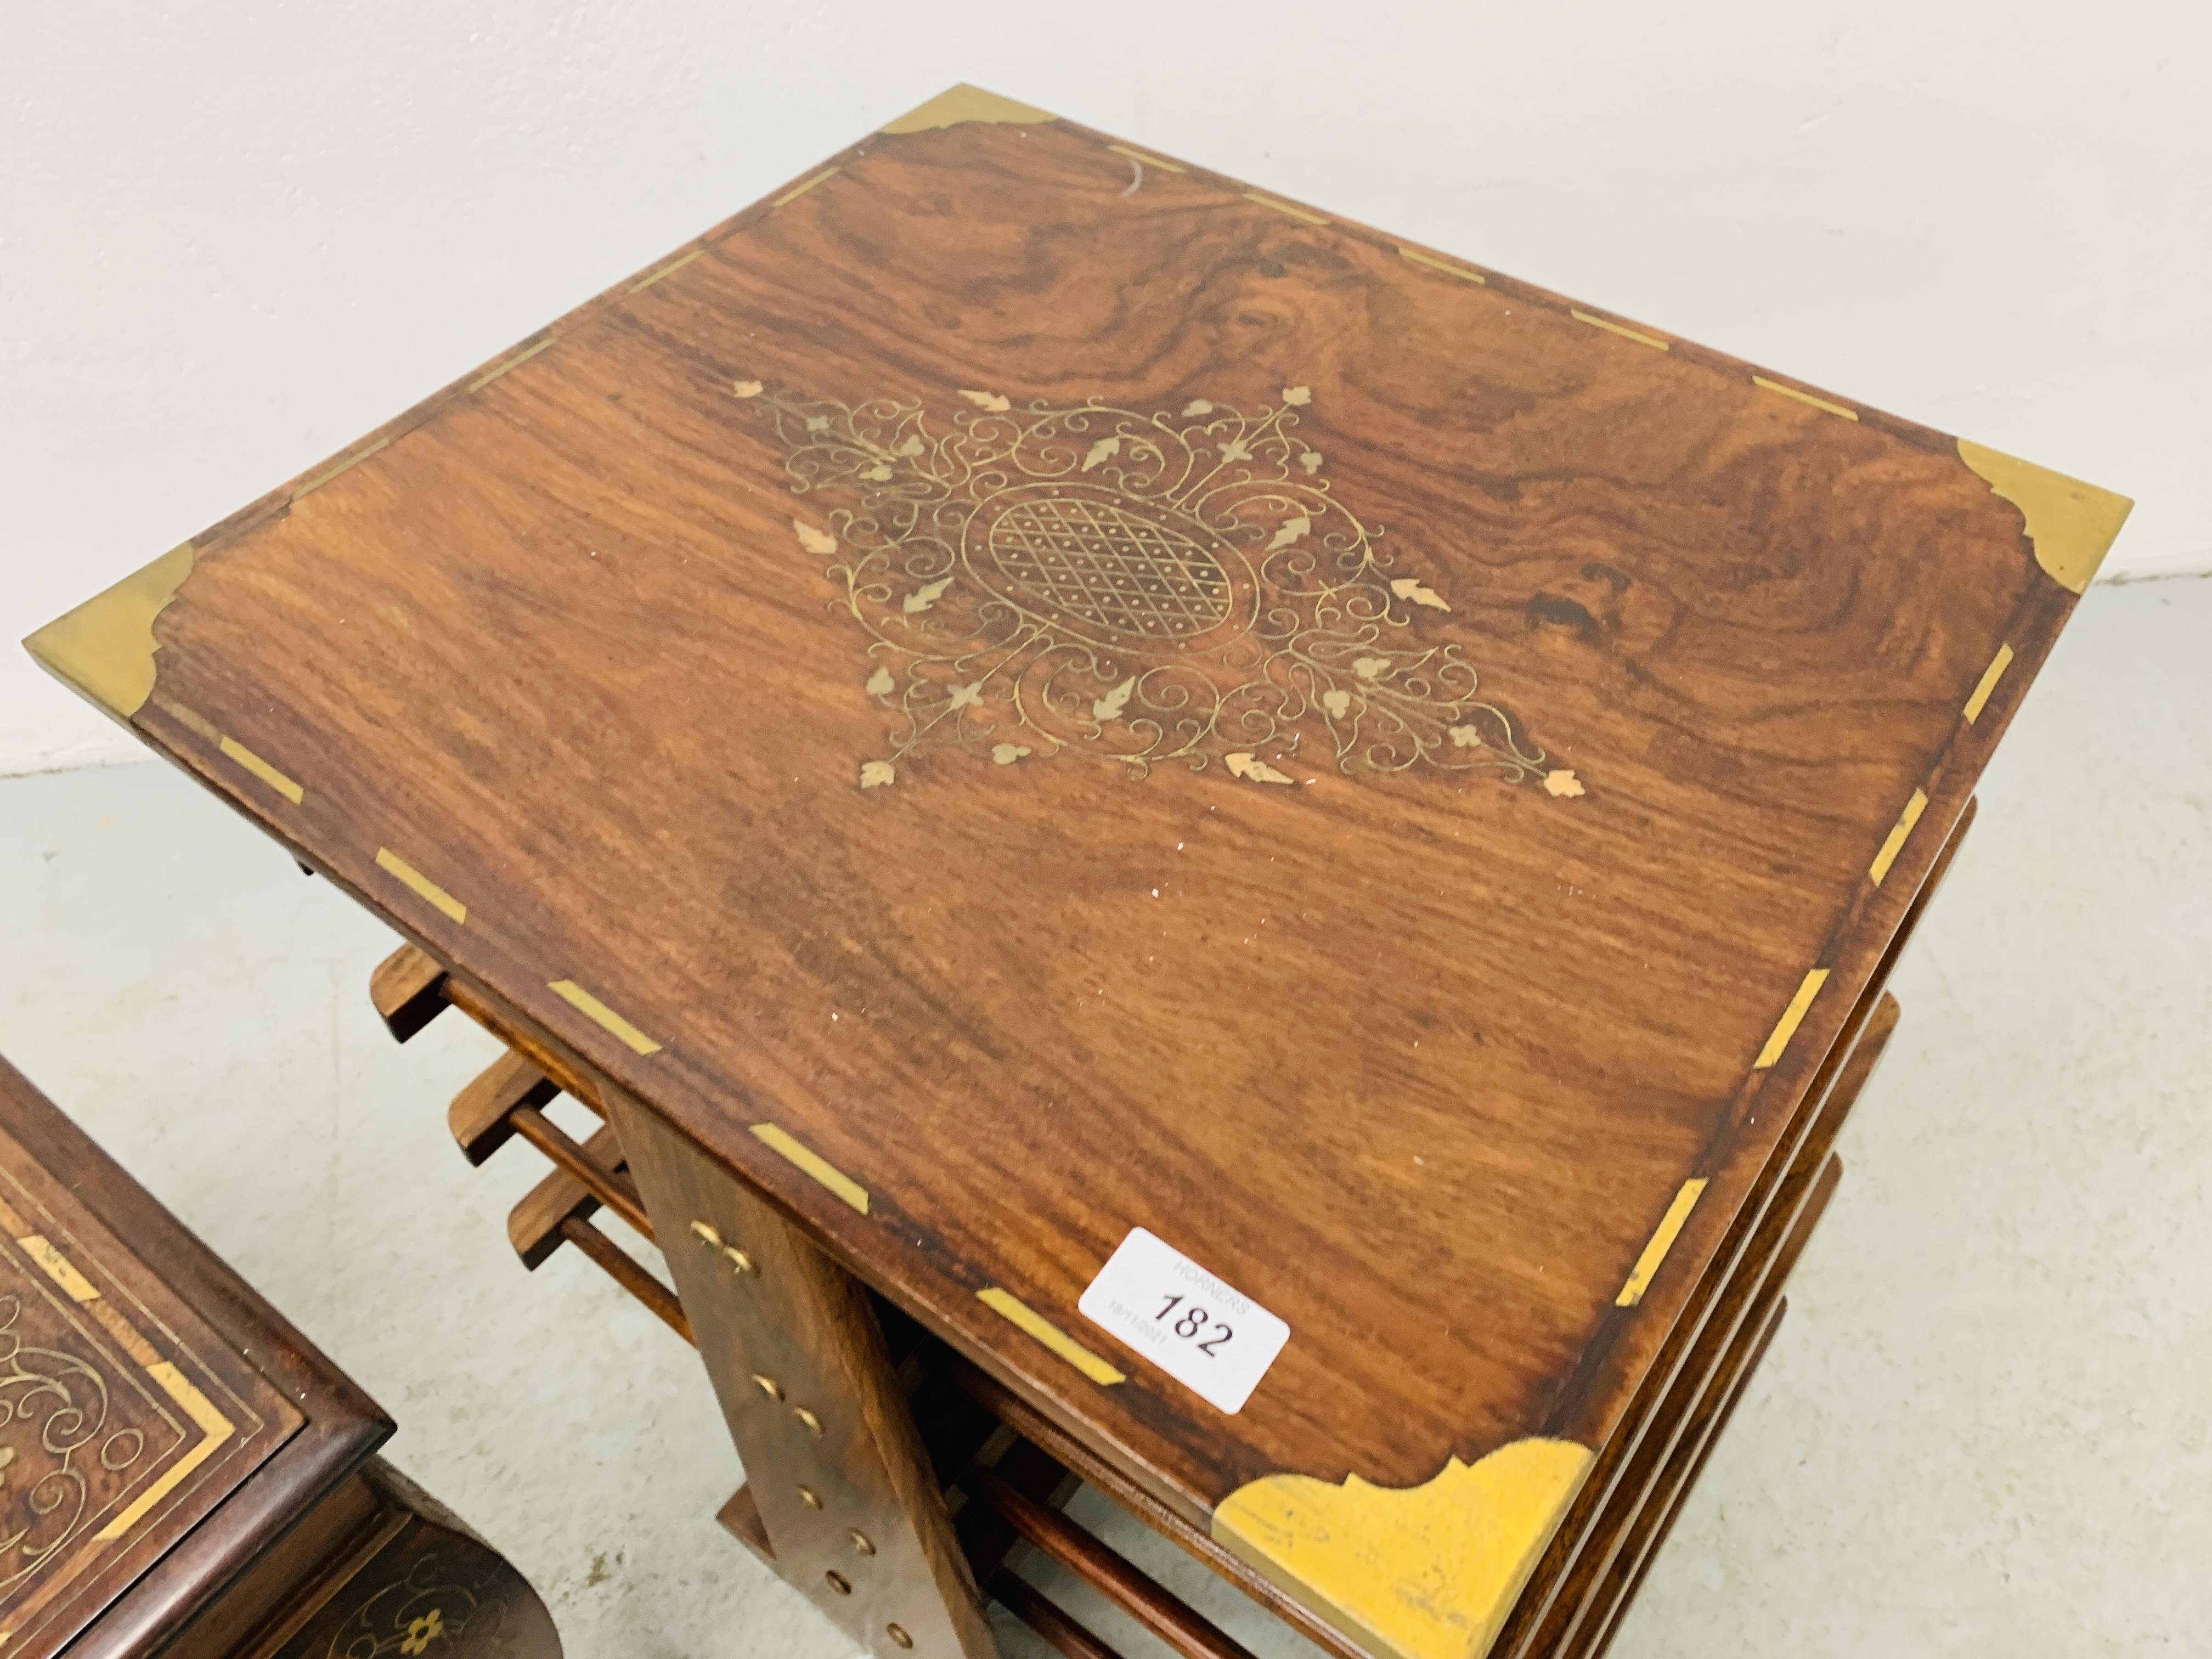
(1217, 1341)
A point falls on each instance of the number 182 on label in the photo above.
(1206, 1334)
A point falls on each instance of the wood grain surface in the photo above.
(1417, 1047)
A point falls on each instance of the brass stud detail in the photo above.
(706, 1235)
(861, 1541)
(739, 1259)
(811, 1497)
(898, 1633)
(768, 1386)
(813, 1423)
(838, 1582)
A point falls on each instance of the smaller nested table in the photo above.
(181, 1472)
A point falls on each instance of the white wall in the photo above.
(233, 237)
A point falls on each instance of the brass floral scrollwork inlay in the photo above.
(433, 1592)
(429, 1607)
(55, 1439)
(1142, 588)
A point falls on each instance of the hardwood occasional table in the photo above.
(1183, 844)
(181, 1472)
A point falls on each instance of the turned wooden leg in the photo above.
(853, 1516)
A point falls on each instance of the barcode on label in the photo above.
(1213, 1338)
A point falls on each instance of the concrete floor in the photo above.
(1986, 1426)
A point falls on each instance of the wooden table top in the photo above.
(1019, 689)
(163, 1424)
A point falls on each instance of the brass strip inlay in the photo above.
(1446, 266)
(104, 648)
(215, 1429)
(1029, 1319)
(1628, 333)
(1895, 844)
(1285, 207)
(103, 1313)
(1792, 1017)
(668, 269)
(515, 361)
(190, 719)
(262, 770)
(2070, 525)
(1991, 676)
(81, 1290)
(345, 465)
(806, 1158)
(408, 876)
(1662, 1240)
(1149, 161)
(798, 190)
(1762, 382)
(602, 1016)
(58, 1268)
(966, 103)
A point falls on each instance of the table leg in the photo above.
(852, 1511)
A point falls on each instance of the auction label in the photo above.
(1217, 1341)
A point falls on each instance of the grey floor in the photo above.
(1985, 1428)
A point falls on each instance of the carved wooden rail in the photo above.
(409, 989)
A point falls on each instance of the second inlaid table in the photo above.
(181, 1474)
(1180, 842)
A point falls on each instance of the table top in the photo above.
(1020, 689)
(167, 1425)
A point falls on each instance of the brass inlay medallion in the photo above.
(1179, 586)
(1108, 570)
